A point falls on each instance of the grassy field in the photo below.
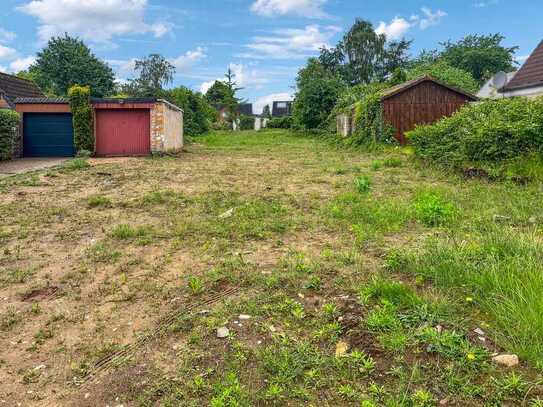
(342, 277)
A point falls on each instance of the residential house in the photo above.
(282, 108)
(491, 89)
(13, 87)
(528, 81)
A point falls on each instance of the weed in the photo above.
(195, 285)
(96, 201)
(390, 291)
(392, 162)
(376, 165)
(125, 232)
(102, 253)
(432, 210)
(75, 165)
(362, 184)
(9, 319)
(383, 318)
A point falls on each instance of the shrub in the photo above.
(221, 126)
(485, 134)
(9, 120)
(82, 117)
(284, 122)
(197, 112)
(442, 71)
(246, 122)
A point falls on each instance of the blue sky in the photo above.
(264, 41)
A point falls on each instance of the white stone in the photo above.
(222, 332)
(479, 332)
(508, 360)
(244, 317)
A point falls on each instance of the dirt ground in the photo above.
(113, 271)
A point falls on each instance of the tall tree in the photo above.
(154, 73)
(67, 61)
(198, 114)
(480, 55)
(317, 94)
(363, 56)
(218, 94)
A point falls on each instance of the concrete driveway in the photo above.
(22, 165)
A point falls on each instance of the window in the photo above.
(282, 105)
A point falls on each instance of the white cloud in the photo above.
(21, 64)
(522, 58)
(485, 3)
(304, 8)
(189, 59)
(244, 76)
(291, 43)
(399, 26)
(262, 101)
(93, 20)
(6, 36)
(204, 87)
(7, 52)
(395, 29)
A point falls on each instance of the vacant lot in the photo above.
(343, 278)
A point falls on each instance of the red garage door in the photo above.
(123, 132)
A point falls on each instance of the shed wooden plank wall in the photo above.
(424, 103)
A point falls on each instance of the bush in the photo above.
(432, 210)
(221, 126)
(246, 122)
(197, 112)
(483, 134)
(9, 120)
(82, 117)
(284, 122)
(442, 71)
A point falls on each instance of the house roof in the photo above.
(13, 87)
(402, 87)
(530, 74)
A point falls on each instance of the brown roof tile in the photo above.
(531, 73)
(13, 87)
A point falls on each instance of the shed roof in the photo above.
(530, 74)
(402, 87)
(13, 87)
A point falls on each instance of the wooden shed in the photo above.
(421, 101)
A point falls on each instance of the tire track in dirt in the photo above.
(108, 362)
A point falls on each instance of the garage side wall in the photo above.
(166, 128)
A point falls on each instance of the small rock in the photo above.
(222, 332)
(439, 329)
(340, 319)
(481, 338)
(341, 348)
(532, 220)
(507, 360)
(272, 328)
(500, 218)
(443, 402)
(227, 214)
(87, 395)
(479, 332)
(244, 317)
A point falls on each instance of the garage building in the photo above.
(123, 127)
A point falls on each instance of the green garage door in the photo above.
(48, 135)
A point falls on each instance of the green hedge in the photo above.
(9, 120)
(284, 122)
(246, 122)
(489, 132)
(82, 117)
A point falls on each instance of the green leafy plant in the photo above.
(195, 285)
(82, 117)
(9, 120)
(284, 122)
(486, 135)
(362, 184)
(96, 201)
(432, 210)
(246, 122)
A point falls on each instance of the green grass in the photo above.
(363, 274)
